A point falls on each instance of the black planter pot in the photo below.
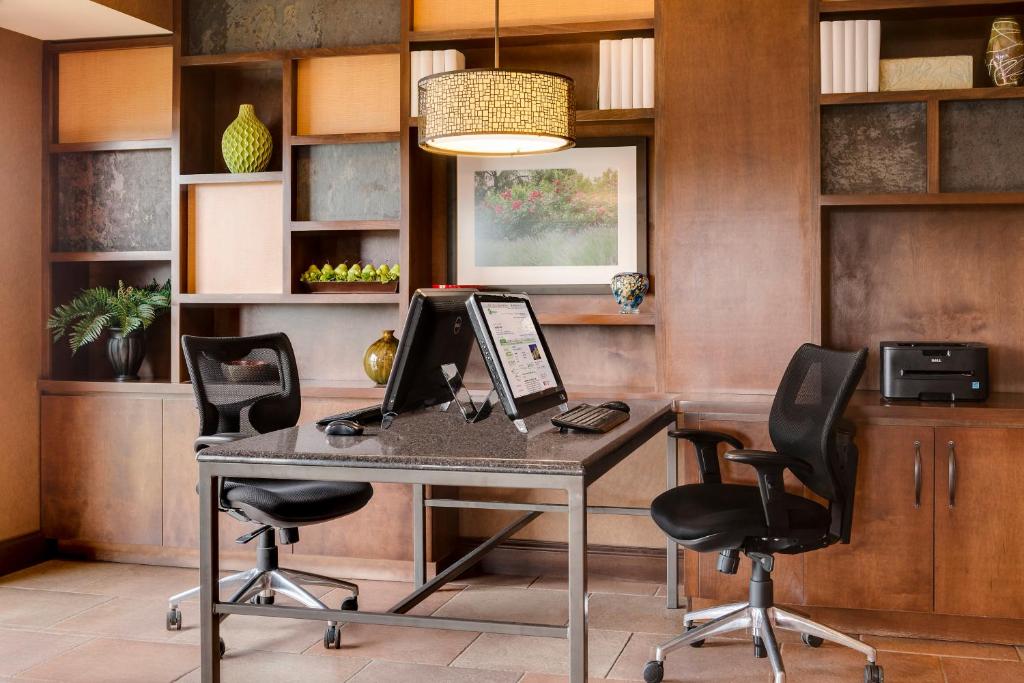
(126, 354)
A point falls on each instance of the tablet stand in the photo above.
(464, 400)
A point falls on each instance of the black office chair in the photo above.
(246, 386)
(813, 442)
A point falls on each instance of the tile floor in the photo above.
(104, 622)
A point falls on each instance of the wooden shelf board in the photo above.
(536, 34)
(592, 116)
(89, 386)
(96, 256)
(923, 96)
(328, 226)
(270, 57)
(344, 138)
(220, 178)
(608, 319)
(925, 199)
(827, 7)
(306, 299)
(108, 146)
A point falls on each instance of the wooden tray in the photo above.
(352, 287)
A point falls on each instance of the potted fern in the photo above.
(126, 313)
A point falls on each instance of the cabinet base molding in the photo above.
(23, 551)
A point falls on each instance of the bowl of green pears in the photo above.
(354, 278)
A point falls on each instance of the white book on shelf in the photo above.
(415, 75)
(838, 52)
(426, 60)
(849, 56)
(626, 75)
(454, 60)
(861, 56)
(826, 57)
(874, 51)
(648, 99)
(438, 62)
(615, 66)
(638, 72)
(604, 76)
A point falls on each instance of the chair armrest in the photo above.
(202, 442)
(770, 466)
(706, 445)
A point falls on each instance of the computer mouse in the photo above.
(344, 428)
(616, 405)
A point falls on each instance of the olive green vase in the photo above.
(246, 144)
(380, 357)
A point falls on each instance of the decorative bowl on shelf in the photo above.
(629, 290)
(246, 370)
(352, 287)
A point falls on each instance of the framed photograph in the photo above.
(553, 223)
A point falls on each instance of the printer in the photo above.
(934, 371)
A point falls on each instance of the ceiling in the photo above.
(71, 20)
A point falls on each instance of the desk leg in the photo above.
(671, 549)
(578, 583)
(419, 536)
(209, 623)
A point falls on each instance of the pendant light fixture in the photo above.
(496, 112)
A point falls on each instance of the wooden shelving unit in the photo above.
(100, 256)
(303, 299)
(965, 95)
(828, 7)
(108, 146)
(343, 139)
(536, 34)
(221, 178)
(926, 199)
(319, 226)
(604, 319)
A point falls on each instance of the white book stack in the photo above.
(423, 63)
(626, 74)
(849, 56)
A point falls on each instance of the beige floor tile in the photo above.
(398, 644)
(599, 584)
(380, 671)
(976, 670)
(662, 592)
(540, 655)
(379, 596)
(113, 661)
(250, 666)
(716, 662)
(495, 580)
(840, 665)
(944, 648)
(42, 608)
(552, 678)
(105, 578)
(635, 613)
(20, 650)
(245, 632)
(509, 604)
(130, 618)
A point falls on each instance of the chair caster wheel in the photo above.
(873, 674)
(654, 671)
(262, 600)
(174, 619)
(332, 637)
(696, 643)
(223, 647)
(760, 651)
(811, 641)
(350, 604)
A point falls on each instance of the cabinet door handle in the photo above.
(917, 474)
(952, 474)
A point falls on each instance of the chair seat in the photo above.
(288, 503)
(707, 517)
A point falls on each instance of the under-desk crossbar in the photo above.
(531, 507)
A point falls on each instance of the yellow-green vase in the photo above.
(380, 357)
(246, 144)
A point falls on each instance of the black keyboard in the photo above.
(368, 414)
(587, 418)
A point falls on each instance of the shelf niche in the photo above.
(345, 246)
(449, 15)
(982, 145)
(347, 182)
(349, 94)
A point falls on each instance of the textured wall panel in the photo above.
(217, 26)
(874, 148)
(114, 201)
(357, 94)
(436, 15)
(348, 182)
(982, 146)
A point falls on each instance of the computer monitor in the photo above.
(516, 354)
(437, 332)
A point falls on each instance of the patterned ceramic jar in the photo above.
(380, 357)
(629, 290)
(1005, 55)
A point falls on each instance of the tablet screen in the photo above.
(519, 348)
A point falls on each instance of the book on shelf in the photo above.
(423, 63)
(849, 53)
(626, 73)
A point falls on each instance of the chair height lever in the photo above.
(242, 540)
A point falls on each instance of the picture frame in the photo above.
(563, 245)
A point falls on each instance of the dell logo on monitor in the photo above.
(457, 327)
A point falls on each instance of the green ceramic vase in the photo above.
(380, 357)
(246, 144)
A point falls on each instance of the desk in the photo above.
(431, 448)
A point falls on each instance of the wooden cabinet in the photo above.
(979, 489)
(888, 562)
(101, 469)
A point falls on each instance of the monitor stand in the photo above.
(464, 400)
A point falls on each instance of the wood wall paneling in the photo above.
(874, 148)
(21, 68)
(157, 12)
(235, 238)
(437, 15)
(738, 249)
(981, 146)
(347, 182)
(114, 95)
(351, 94)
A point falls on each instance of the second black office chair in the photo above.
(246, 386)
(815, 445)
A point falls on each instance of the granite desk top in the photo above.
(431, 439)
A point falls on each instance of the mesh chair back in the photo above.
(812, 396)
(243, 385)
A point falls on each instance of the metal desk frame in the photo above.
(213, 611)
